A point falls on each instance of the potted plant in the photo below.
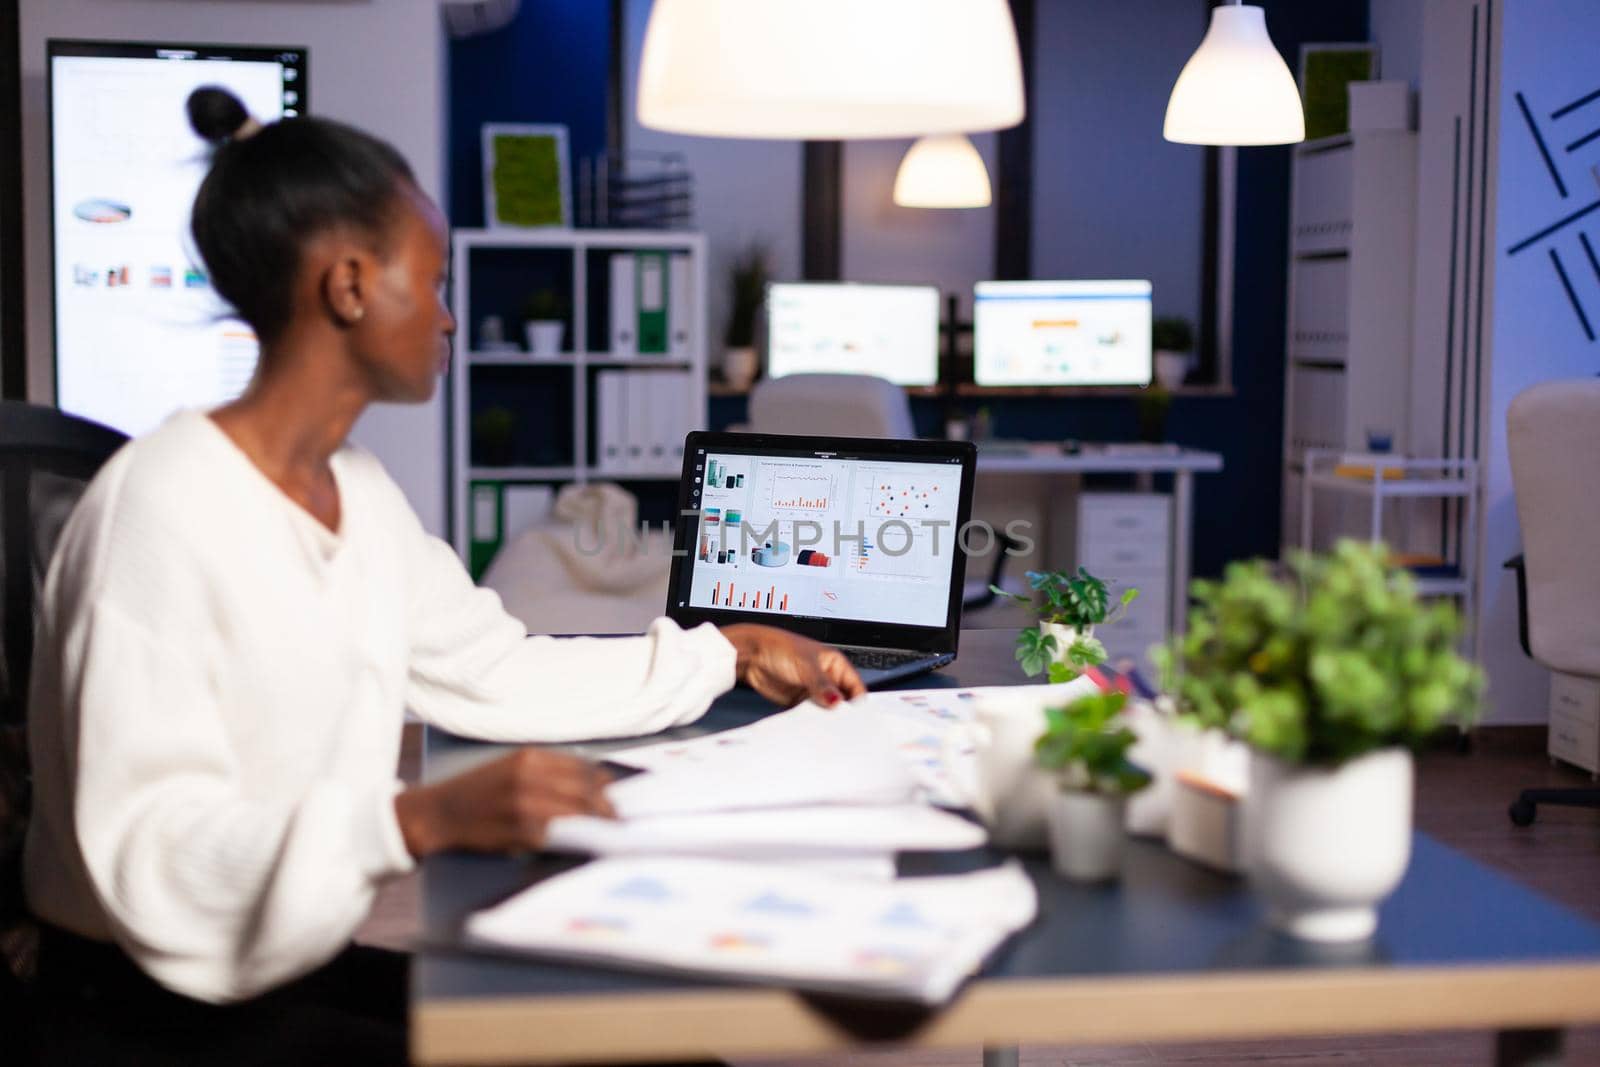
(1172, 338)
(1070, 606)
(544, 317)
(493, 429)
(749, 275)
(1331, 674)
(1085, 745)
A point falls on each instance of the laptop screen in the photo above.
(852, 541)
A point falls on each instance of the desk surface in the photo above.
(1048, 457)
(1173, 952)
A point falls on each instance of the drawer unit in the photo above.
(1125, 538)
(1575, 720)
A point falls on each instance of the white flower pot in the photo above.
(1064, 636)
(1325, 845)
(739, 366)
(1086, 834)
(1171, 368)
(544, 336)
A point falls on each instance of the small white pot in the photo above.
(1064, 636)
(1325, 845)
(1171, 368)
(544, 336)
(739, 366)
(1086, 834)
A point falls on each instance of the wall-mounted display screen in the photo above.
(1061, 333)
(139, 332)
(891, 331)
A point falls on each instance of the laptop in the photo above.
(855, 542)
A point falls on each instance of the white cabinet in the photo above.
(1126, 539)
(1351, 239)
(599, 407)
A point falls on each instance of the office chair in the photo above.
(1555, 450)
(46, 460)
(831, 405)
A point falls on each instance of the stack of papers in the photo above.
(913, 939)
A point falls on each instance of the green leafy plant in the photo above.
(1333, 660)
(544, 305)
(749, 275)
(1076, 599)
(1171, 333)
(1086, 746)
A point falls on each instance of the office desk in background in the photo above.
(1173, 952)
(1143, 461)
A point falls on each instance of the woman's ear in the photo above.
(344, 289)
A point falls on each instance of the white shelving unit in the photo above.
(1395, 478)
(575, 262)
(1351, 240)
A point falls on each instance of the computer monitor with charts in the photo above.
(1042, 333)
(891, 331)
(139, 330)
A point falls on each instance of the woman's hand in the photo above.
(503, 806)
(787, 668)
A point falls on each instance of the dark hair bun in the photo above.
(215, 113)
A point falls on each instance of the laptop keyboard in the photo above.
(879, 659)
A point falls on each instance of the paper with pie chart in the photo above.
(910, 939)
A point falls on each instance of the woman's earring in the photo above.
(358, 313)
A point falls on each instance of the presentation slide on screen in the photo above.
(139, 330)
(1062, 333)
(891, 331)
(857, 539)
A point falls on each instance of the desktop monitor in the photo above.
(891, 331)
(139, 332)
(1061, 333)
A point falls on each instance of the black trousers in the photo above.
(95, 1006)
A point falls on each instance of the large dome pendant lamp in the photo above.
(829, 69)
(1236, 88)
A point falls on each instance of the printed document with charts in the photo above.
(911, 939)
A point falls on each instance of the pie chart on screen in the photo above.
(98, 210)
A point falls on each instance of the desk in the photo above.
(1183, 464)
(1172, 953)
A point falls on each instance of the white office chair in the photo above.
(831, 405)
(1553, 437)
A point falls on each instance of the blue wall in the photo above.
(550, 66)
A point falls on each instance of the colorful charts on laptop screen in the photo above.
(891, 331)
(139, 330)
(1062, 333)
(860, 539)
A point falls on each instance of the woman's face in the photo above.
(406, 328)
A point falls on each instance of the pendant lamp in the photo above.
(944, 170)
(829, 69)
(1236, 88)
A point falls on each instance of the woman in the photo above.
(240, 611)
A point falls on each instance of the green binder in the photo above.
(485, 525)
(651, 292)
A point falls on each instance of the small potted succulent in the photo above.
(1172, 338)
(1085, 746)
(1070, 606)
(1331, 674)
(748, 275)
(544, 322)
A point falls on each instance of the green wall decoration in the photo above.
(1325, 71)
(525, 177)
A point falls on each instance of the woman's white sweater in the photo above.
(218, 690)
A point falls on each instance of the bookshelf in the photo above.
(524, 422)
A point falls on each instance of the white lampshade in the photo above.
(942, 171)
(1236, 88)
(829, 69)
